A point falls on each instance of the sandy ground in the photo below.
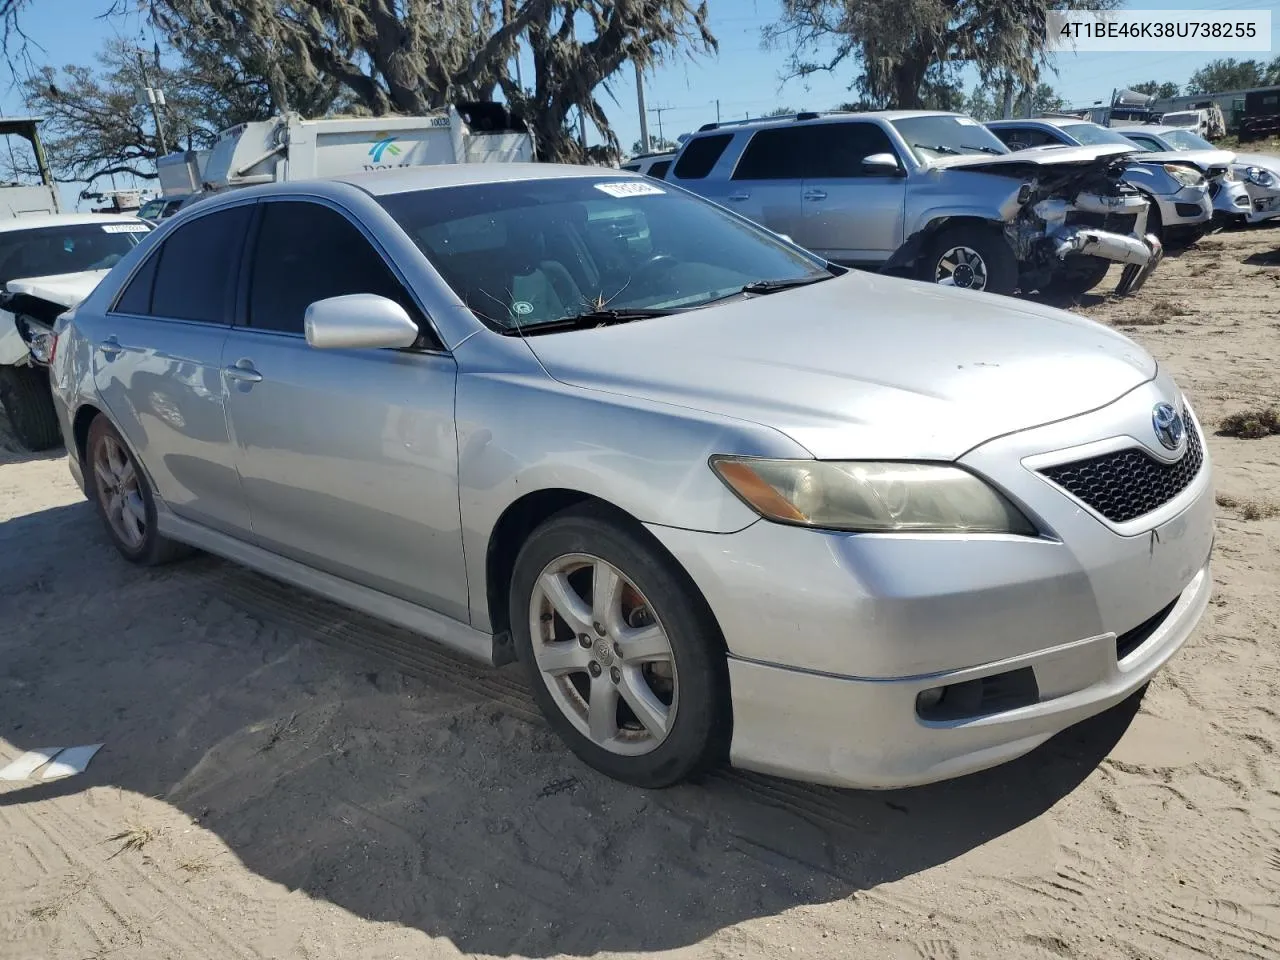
(284, 779)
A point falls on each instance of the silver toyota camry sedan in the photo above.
(718, 497)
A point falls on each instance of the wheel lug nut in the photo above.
(616, 675)
(593, 668)
(584, 641)
(599, 628)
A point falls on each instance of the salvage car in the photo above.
(47, 264)
(1182, 205)
(930, 195)
(718, 496)
(1255, 177)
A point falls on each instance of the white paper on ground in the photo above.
(29, 763)
(71, 760)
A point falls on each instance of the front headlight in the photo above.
(871, 497)
(1260, 177)
(1184, 175)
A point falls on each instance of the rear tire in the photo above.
(28, 402)
(645, 638)
(973, 258)
(122, 493)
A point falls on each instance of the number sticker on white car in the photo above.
(628, 189)
(126, 228)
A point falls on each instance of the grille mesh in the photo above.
(1124, 485)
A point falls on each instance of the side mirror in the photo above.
(881, 165)
(358, 320)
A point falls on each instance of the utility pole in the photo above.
(717, 110)
(644, 114)
(582, 129)
(155, 99)
(659, 111)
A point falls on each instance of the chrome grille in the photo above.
(1127, 484)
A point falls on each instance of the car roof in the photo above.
(381, 183)
(765, 123)
(1046, 121)
(64, 220)
(1158, 130)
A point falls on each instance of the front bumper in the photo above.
(1139, 255)
(1189, 207)
(833, 636)
(1231, 200)
(1264, 203)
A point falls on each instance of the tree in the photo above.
(897, 43)
(1229, 74)
(656, 145)
(1152, 88)
(414, 56)
(96, 125)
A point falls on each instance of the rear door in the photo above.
(851, 215)
(348, 458)
(768, 179)
(156, 367)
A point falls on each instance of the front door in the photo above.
(348, 458)
(852, 215)
(156, 367)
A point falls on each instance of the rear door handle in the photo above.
(242, 371)
(815, 194)
(740, 196)
(111, 348)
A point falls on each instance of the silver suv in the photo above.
(933, 195)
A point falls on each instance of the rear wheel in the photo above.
(28, 402)
(622, 655)
(124, 499)
(972, 258)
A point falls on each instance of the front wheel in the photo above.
(623, 657)
(1078, 275)
(972, 258)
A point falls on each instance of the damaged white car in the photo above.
(48, 264)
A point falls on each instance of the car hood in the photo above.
(862, 366)
(1201, 158)
(63, 289)
(1033, 156)
(1270, 161)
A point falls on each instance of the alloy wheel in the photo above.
(962, 266)
(119, 492)
(603, 654)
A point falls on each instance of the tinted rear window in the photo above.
(659, 170)
(198, 267)
(777, 154)
(700, 155)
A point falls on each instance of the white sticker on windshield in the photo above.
(629, 188)
(126, 228)
(966, 122)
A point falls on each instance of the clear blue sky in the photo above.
(744, 76)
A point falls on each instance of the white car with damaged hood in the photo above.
(47, 264)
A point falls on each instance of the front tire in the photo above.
(1078, 276)
(28, 402)
(122, 493)
(622, 654)
(972, 258)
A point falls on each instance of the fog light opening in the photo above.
(978, 698)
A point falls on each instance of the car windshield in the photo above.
(1185, 140)
(1091, 135)
(524, 254)
(947, 135)
(45, 251)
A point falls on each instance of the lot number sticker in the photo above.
(627, 189)
(126, 228)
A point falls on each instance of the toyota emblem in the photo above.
(1168, 425)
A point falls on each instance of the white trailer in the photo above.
(289, 148)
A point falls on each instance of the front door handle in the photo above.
(111, 348)
(242, 371)
(741, 195)
(815, 195)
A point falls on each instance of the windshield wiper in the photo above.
(773, 286)
(940, 148)
(588, 320)
(971, 146)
